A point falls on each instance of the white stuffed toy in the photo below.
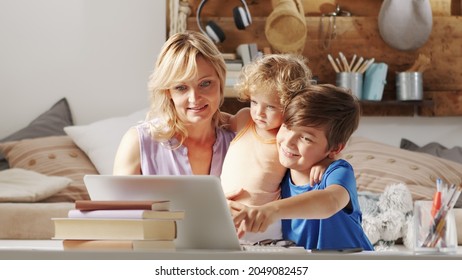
(387, 217)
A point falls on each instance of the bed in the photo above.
(51, 155)
(52, 146)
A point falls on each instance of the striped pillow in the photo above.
(378, 165)
(54, 156)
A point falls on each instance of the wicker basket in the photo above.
(285, 27)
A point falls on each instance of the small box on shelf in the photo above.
(234, 64)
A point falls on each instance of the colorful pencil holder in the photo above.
(434, 233)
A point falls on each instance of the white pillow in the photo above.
(21, 185)
(100, 140)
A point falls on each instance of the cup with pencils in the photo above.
(349, 74)
(434, 223)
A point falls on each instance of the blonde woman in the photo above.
(181, 135)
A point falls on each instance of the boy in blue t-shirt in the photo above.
(317, 124)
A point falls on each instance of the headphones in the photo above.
(242, 19)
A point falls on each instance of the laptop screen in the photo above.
(207, 223)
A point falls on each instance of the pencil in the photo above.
(358, 63)
(339, 65)
(352, 61)
(366, 65)
(344, 61)
(332, 62)
(437, 230)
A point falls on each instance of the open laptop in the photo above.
(207, 223)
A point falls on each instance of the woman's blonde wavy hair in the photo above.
(176, 63)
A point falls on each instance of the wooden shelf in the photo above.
(369, 108)
(393, 107)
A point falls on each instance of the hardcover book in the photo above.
(160, 205)
(125, 214)
(123, 229)
(234, 65)
(232, 77)
(119, 245)
(244, 53)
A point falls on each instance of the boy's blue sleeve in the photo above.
(341, 174)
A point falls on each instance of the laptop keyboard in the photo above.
(273, 249)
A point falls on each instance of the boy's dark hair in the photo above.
(331, 108)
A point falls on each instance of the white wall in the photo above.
(420, 130)
(97, 53)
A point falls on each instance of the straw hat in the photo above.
(285, 27)
(405, 25)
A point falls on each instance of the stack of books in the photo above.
(248, 52)
(119, 225)
(234, 66)
(245, 54)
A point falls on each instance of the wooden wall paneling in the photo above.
(360, 35)
(319, 7)
(456, 7)
(255, 33)
(224, 8)
(262, 8)
(445, 103)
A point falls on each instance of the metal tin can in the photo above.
(352, 81)
(409, 86)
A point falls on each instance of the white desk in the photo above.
(53, 250)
